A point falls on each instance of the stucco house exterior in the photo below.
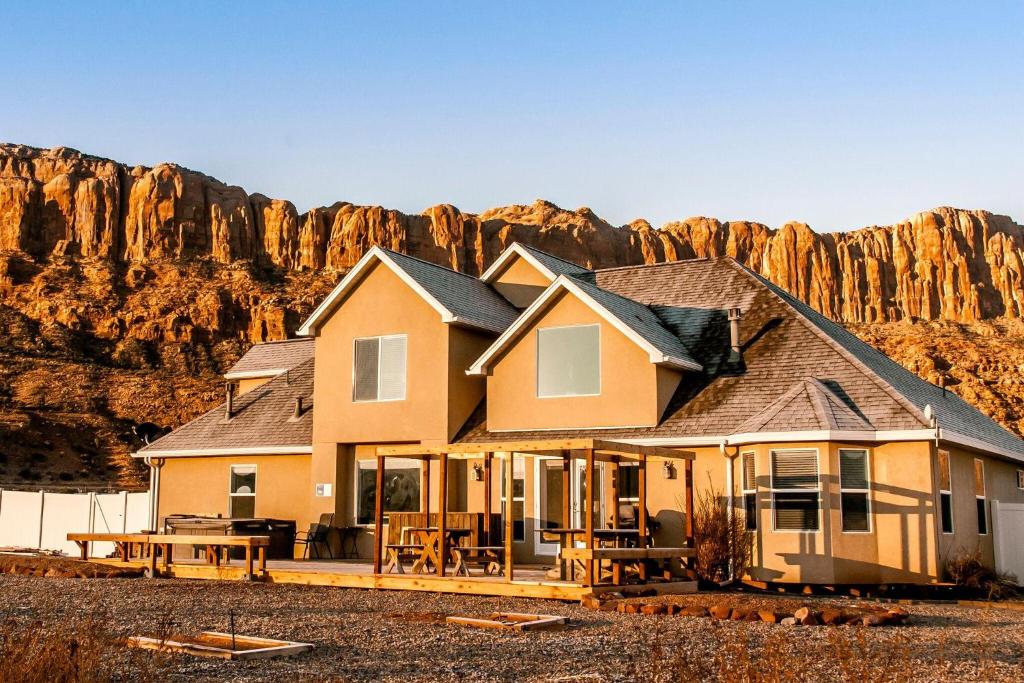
(847, 468)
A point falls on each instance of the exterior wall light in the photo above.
(478, 472)
(668, 470)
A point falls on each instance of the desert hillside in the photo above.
(124, 291)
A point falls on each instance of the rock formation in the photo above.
(943, 264)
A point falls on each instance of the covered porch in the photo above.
(592, 553)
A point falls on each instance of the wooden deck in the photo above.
(530, 580)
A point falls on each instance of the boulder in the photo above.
(720, 611)
(652, 609)
(790, 621)
(831, 617)
(693, 611)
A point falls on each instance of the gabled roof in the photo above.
(633, 319)
(550, 266)
(262, 423)
(955, 417)
(457, 297)
(270, 359)
(808, 406)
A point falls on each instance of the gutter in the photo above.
(212, 452)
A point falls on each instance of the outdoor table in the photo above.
(615, 538)
(349, 537)
(429, 538)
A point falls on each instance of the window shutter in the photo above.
(749, 481)
(796, 511)
(853, 469)
(979, 477)
(366, 361)
(795, 469)
(392, 368)
(944, 471)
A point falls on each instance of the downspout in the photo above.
(154, 490)
(730, 499)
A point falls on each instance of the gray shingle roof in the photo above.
(464, 296)
(262, 418)
(640, 319)
(556, 265)
(808, 406)
(276, 355)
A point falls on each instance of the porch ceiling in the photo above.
(602, 449)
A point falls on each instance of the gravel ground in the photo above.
(390, 635)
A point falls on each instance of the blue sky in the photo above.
(837, 114)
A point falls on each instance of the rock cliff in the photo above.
(126, 291)
(943, 264)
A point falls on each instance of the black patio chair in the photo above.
(319, 532)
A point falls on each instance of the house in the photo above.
(846, 468)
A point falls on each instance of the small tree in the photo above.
(721, 541)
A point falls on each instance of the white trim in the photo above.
(482, 364)
(866, 492)
(1020, 480)
(983, 497)
(949, 492)
(256, 374)
(978, 445)
(516, 249)
(817, 491)
(537, 362)
(215, 452)
(232, 496)
(309, 327)
(539, 547)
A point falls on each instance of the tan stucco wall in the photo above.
(629, 393)
(520, 282)
(199, 486)
(247, 385)
(1000, 484)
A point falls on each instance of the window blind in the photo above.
(367, 357)
(853, 469)
(795, 469)
(568, 361)
(749, 482)
(392, 368)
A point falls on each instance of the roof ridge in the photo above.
(283, 341)
(661, 263)
(428, 263)
(550, 255)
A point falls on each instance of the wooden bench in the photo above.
(621, 558)
(161, 544)
(490, 557)
(399, 552)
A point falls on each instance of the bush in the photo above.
(968, 572)
(721, 541)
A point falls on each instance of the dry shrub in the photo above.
(969, 572)
(721, 541)
(54, 650)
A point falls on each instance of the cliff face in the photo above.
(125, 292)
(944, 264)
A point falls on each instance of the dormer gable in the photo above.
(522, 273)
(263, 362)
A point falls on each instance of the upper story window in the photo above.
(379, 368)
(569, 361)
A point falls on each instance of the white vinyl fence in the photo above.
(1008, 538)
(42, 521)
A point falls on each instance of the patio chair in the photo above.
(318, 533)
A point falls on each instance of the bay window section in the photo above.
(401, 487)
(569, 361)
(979, 496)
(379, 368)
(749, 486)
(854, 486)
(795, 490)
(945, 494)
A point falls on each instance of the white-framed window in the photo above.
(242, 491)
(401, 487)
(518, 497)
(569, 361)
(854, 489)
(979, 496)
(796, 504)
(1020, 479)
(379, 368)
(629, 482)
(945, 493)
(748, 484)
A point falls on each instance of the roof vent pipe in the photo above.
(734, 335)
(229, 403)
(297, 411)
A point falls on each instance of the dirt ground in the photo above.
(401, 636)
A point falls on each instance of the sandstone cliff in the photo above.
(125, 291)
(943, 264)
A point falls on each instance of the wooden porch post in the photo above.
(567, 489)
(488, 457)
(442, 514)
(378, 517)
(509, 477)
(688, 470)
(425, 490)
(616, 471)
(641, 514)
(589, 508)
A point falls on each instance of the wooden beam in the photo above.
(615, 472)
(603, 446)
(425, 491)
(588, 453)
(509, 481)
(488, 461)
(378, 517)
(442, 514)
(567, 489)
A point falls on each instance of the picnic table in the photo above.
(151, 545)
(567, 538)
(429, 537)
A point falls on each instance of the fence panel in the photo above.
(20, 513)
(64, 513)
